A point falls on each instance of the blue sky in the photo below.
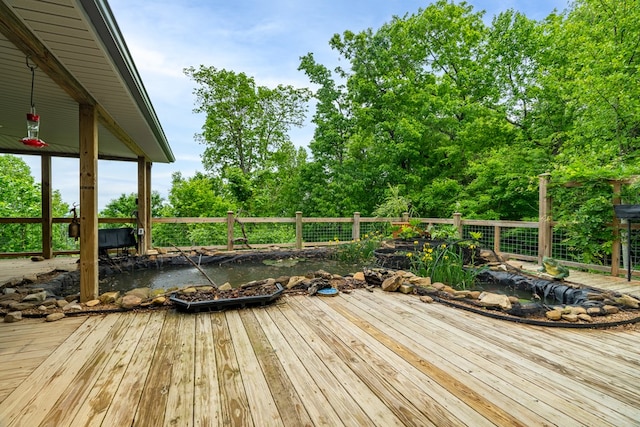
(262, 38)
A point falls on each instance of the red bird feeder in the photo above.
(33, 120)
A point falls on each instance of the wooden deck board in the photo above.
(498, 367)
(358, 359)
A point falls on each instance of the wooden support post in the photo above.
(457, 223)
(47, 211)
(298, 230)
(616, 245)
(88, 203)
(230, 221)
(496, 239)
(142, 206)
(355, 232)
(544, 218)
(148, 221)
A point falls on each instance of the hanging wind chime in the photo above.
(33, 120)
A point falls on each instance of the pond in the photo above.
(235, 273)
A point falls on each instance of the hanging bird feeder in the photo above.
(33, 120)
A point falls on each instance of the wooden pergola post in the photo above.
(88, 203)
(47, 212)
(143, 206)
(544, 218)
(355, 232)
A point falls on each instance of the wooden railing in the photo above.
(494, 234)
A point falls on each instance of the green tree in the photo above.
(20, 196)
(126, 206)
(246, 124)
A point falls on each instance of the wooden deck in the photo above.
(360, 359)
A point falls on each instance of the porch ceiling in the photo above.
(81, 58)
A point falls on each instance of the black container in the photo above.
(627, 211)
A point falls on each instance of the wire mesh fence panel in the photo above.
(483, 234)
(564, 248)
(198, 234)
(264, 234)
(21, 237)
(61, 239)
(630, 249)
(371, 230)
(519, 240)
(327, 232)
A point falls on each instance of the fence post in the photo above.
(405, 216)
(496, 239)
(230, 222)
(355, 232)
(298, 230)
(616, 246)
(544, 218)
(457, 223)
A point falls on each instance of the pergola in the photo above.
(92, 100)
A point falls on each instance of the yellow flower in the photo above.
(409, 254)
(415, 242)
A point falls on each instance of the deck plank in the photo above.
(290, 406)
(94, 407)
(537, 360)
(264, 411)
(154, 396)
(235, 405)
(52, 374)
(122, 408)
(338, 397)
(207, 409)
(180, 394)
(86, 375)
(391, 362)
(466, 356)
(370, 403)
(316, 404)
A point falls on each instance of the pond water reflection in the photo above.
(234, 273)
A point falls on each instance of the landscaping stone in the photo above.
(225, 287)
(489, 299)
(426, 298)
(13, 316)
(585, 317)
(36, 297)
(405, 288)
(72, 306)
(109, 297)
(130, 301)
(392, 283)
(360, 276)
(570, 317)
(610, 309)
(19, 306)
(553, 315)
(92, 303)
(55, 316)
(628, 301)
(61, 303)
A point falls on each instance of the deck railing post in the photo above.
(355, 233)
(405, 216)
(298, 230)
(457, 223)
(616, 245)
(544, 218)
(230, 222)
(496, 239)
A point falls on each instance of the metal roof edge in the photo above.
(107, 29)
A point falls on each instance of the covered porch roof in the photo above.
(81, 59)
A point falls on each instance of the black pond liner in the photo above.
(551, 292)
(222, 304)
